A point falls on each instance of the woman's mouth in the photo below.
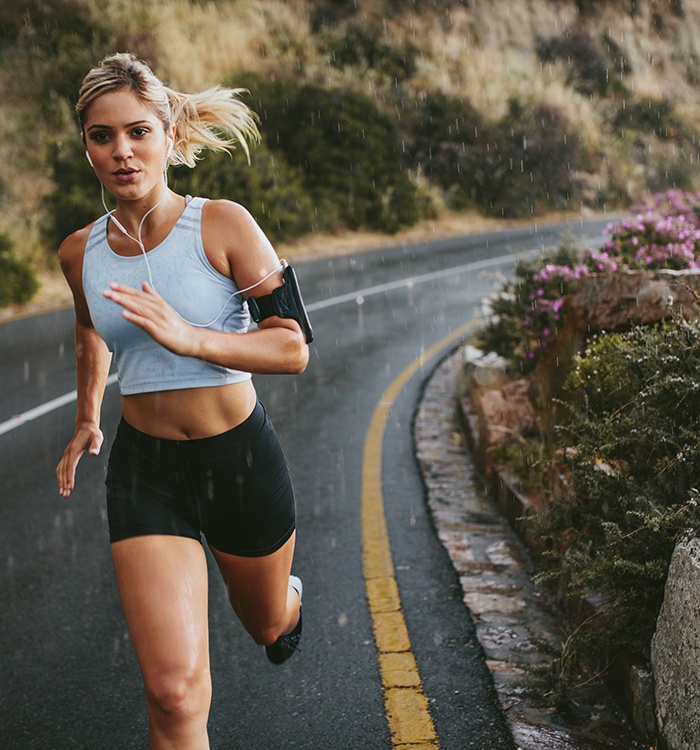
(125, 175)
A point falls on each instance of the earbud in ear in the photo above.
(87, 156)
(170, 149)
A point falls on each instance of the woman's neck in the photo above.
(146, 222)
(155, 208)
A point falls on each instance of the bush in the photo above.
(361, 47)
(75, 199)
(519, 166)
(657, 117)
(634, 467)
(535, 150)
(268, 187)
(665, 233)
(18, 281)
(348, 153)
(589, 70)
(527, 312)
(439, 130)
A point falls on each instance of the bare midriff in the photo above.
(190, 413)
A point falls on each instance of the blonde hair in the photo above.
(215, 119)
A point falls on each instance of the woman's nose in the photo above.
(121, 148)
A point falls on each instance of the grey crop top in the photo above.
(184, 277)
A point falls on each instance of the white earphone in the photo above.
(87, 156)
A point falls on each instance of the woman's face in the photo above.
(127, 145)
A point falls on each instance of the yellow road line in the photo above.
(406, 705)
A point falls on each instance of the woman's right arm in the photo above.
(92, 367)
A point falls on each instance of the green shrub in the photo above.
(268, 187)
(74, 200)
(589, 71)
(519, 166)
(361, 47)
(18, 281)
(347, 150)
(649, 116)
(531, 159)
(634, 466)
(438, 130)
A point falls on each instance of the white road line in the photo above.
(478, 265)
(361, 294)
(39, 411)
(412, 281)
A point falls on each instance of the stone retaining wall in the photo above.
(661, 700)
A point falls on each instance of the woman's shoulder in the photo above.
(222, 210)
(72, 249)
(229, 223)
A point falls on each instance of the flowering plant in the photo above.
(664, 232)
(526, 314)
(650, 241)
(552, 284)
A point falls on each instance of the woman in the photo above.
(159, 283)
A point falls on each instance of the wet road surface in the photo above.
(70, 679)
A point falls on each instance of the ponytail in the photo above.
(215, 119)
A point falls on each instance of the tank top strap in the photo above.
(98, 234)
(194, 202)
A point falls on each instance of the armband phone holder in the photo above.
(284, 302)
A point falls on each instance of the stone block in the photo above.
(675, 651)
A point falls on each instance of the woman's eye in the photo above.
(99, 137)
(139, 132)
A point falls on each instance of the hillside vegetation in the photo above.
(375, 113)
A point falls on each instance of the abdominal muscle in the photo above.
(190, 413)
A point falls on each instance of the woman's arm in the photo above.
(92, 367)
(237, 248)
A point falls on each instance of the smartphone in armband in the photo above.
(284, 302)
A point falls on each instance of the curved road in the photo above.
(69, 678)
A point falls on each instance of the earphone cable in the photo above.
(139, 242)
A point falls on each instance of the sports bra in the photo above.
(184, 277)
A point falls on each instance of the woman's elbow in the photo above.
(293, 353)
(300, 358)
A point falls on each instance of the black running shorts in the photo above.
(234, 488)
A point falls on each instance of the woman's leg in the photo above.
(163, 587)
(259, 591)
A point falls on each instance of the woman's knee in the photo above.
(264, 633)
(178, 697)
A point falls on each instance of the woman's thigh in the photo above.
(163, 587)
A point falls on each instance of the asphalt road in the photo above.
(69, 678)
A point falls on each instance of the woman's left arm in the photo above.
(236, 247)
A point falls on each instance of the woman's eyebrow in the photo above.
(109, 127)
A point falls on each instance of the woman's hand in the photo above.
(87, 437)
(149, 311)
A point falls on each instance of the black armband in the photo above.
(284, 302)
